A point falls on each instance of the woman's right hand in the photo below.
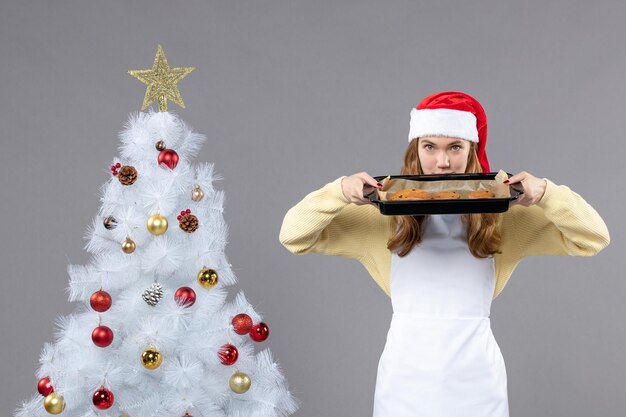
(356, 185)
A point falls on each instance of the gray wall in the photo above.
(293, 94)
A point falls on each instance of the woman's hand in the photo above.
(534, 188)
(356, 185)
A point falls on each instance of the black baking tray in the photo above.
(460, 206)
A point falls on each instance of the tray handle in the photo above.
(518, 192)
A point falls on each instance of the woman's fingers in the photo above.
(358, 185)
(369, 180)
(354, 187)
(534, 188)
(517, 178)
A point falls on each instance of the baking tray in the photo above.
(458, 206)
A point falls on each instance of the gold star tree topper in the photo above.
(161, 81)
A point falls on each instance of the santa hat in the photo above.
(453, 114)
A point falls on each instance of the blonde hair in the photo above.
(483, 234)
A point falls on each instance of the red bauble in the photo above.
(185, 296)
(242, 323)
(103, 398)
(44, 386)
(260, 332)
(102, 336)
(169, 158)
(100, 301)
(228, 354)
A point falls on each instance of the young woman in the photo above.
(443, 271)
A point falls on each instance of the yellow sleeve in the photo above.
(561, 223)
(326, 222)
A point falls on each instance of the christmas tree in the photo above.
(154, 333)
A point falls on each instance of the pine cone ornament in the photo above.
(153, 294)
(127, 175)
(187, 221)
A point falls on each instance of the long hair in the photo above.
(483, 234)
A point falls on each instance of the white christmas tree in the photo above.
(154, 333)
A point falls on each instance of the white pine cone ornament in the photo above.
(153, 294)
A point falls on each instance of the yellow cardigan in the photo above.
(325, 222)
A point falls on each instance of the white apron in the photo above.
(441, 359)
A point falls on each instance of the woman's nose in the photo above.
(442, 160)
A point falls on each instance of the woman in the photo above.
(443, 271)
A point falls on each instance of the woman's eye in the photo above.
(428, 147)
(456, 147)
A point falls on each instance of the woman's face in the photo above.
(442, 154)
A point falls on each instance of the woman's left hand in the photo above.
(534, 188)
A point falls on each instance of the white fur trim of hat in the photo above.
(443, 122)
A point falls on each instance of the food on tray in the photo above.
(447, 195)
(419, 194)
(411, 194)
(481, 194)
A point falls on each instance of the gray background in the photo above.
(293, 94)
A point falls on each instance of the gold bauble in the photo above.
(157, 224)
(54, 404)
(197, 193)
(239, 382)
(160, 145)
(207, 277)
(128, 246)
(151, 358)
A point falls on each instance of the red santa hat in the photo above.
(453, 114)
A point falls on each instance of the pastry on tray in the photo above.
(447, 195)
(411, 194)
(419, 194)
(481, 194)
